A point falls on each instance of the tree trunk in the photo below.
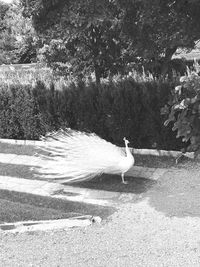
(168, 56)
(97, 74)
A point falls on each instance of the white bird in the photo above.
(81, 156)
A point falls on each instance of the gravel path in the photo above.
(160, 227)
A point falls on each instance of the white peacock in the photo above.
(80, 156)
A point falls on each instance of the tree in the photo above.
(16, 36)
(81, 34)
(183, 109)
(157, 28)
(5, 38)
(150, 30)
(3, 9)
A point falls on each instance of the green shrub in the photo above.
(184, 109)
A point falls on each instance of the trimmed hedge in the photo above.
(111, 110)
(20, 117)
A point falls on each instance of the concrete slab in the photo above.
(22, 185)
(19, 142)
(20, 159)
(7, 158)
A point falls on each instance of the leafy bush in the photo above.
(184, 109)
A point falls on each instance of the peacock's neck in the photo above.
(128, 152)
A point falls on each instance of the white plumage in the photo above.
(81, 156)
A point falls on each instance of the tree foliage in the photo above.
(157, 28)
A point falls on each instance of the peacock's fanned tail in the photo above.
(78, 156)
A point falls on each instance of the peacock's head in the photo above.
(126, 141)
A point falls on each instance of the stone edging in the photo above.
(30, 226)
(152, 152)
(156, 152)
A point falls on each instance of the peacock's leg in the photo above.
(123, 181)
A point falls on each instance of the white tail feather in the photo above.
(80, 156)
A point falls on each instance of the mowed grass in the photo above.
(15, 206)
(28, 150)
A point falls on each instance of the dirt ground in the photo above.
(159, 226)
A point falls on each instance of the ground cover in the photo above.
(16, 206)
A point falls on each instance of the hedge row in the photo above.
(112, 110)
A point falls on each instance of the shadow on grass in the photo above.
(113, 183)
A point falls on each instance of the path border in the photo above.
(46, 225)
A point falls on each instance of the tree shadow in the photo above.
(176, 194)
(113, 183)
(17, 170)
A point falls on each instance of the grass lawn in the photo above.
(16, 206)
